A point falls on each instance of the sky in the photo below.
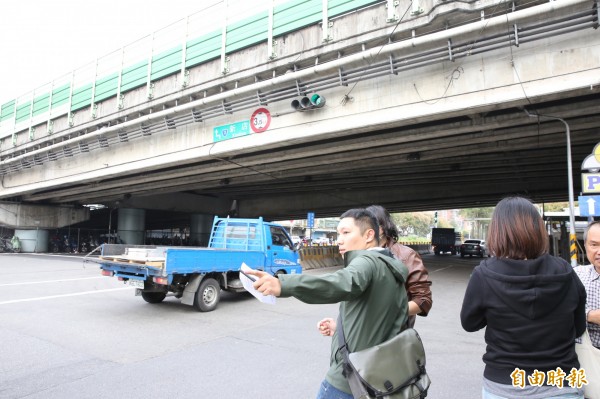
(41, 40)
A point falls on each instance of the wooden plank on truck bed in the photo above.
(155, 264)
(147, 261)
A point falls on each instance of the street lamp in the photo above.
(572, 235)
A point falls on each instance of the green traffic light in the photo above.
(317, 100)
(308, 103)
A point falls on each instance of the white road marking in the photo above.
(443, 268)
(52, 281)
(42, 298)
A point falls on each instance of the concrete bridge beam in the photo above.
(29, 216)
(155, 199)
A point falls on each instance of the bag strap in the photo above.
(343, 345)
(356, 387)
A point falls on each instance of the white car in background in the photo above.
(321, 241)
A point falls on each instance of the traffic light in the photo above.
(435, 217)
(309, 102)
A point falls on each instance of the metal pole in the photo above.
(572, 234)
(109, 225)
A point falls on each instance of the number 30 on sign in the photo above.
(260, 120)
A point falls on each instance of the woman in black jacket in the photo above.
(532, 305)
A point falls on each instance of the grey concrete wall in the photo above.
(27, 216)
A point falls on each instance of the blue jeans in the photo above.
(488, 395)
(328, 391)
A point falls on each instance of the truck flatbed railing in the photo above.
(240, 234)
(135, 255)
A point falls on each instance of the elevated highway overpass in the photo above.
(429, 105)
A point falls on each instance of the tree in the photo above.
(555, 206)
(478, 219)
(414, 223)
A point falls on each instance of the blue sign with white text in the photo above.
(311, 220)
(589, 205)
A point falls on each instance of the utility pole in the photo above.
(572, 234)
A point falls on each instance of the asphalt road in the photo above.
(67, 332)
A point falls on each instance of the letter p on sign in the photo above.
(590, 182)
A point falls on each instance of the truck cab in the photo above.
(256, 235)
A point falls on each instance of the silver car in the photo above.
(473, 247)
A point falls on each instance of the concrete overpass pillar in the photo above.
(200, 225)
(131, 226)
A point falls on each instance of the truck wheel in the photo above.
(279, 273)
(153, 297)
(208, 295)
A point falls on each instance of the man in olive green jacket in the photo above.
(370, 289)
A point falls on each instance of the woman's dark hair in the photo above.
(385, 221)
(364, 220)
(517, 230)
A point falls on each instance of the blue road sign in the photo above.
(310, 220)
(589, 205)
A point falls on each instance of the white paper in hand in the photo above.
(270, 299)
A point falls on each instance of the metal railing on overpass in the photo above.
(212, 33)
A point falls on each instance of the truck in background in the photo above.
(197, 275)
(444, 240)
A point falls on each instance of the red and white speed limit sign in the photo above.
(260, 120)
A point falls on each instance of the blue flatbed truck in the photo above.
(197, 275)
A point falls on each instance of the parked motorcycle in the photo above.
(10, 244)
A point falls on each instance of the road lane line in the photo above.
(52, 281)
(443, 268)
(42, 298)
